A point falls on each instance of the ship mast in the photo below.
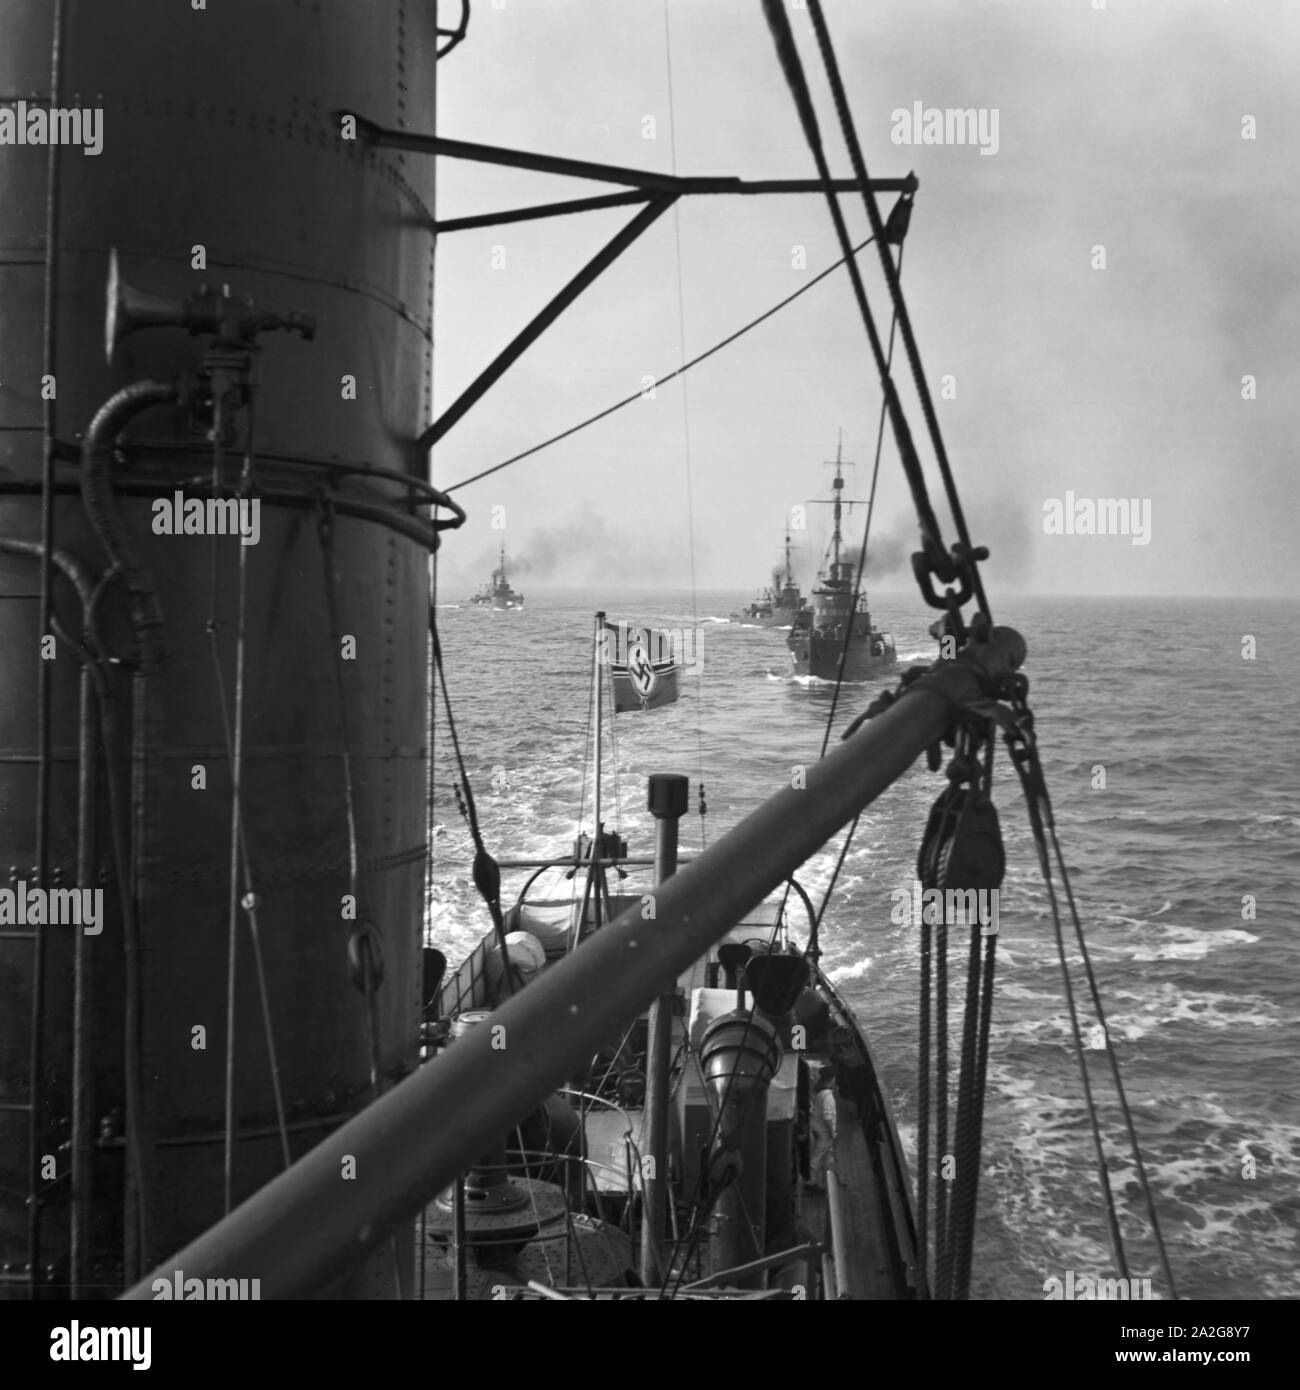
(598, 676)
(833, 577)
(838, 485)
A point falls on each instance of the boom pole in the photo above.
(303, 1231)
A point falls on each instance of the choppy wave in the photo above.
(857, 971)
(1189, 943)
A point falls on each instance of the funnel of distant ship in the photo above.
(833, 637)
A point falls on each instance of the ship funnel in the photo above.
(739, 1055)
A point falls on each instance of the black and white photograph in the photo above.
(647, 653)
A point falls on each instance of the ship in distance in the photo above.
(834, 638)
(497, 593)
(780, 603)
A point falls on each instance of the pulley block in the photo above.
(962, 845)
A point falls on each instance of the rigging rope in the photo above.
(366, 972)
(586, 757)
(325, 533)
(969, 1115)
(788, 54)
(952, 1274)
(963, 565)
(228, 1161)
(1114, 1065)
(249, 902)
(942, 1095)
(638, 395)
(430, 832)
(984, 1034)
(487, 873)
(1023, 745)
(686, 424)
(431, 730)
(1103, 1174)
(849, 132)
(866, 533)
(238, 858)
(923, 1120)
(848, 627)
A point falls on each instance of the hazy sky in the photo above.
(1119, 128)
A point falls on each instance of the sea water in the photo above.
(1171, 760)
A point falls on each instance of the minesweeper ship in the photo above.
(778, 605)
(497, 593)
(834, 639)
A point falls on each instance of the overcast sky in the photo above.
(1119, 128)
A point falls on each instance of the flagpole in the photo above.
(593, 887)
(600, 632)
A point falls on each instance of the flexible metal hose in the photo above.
(97, 494)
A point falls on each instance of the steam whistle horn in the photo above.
(231, 320)
(130, 308)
